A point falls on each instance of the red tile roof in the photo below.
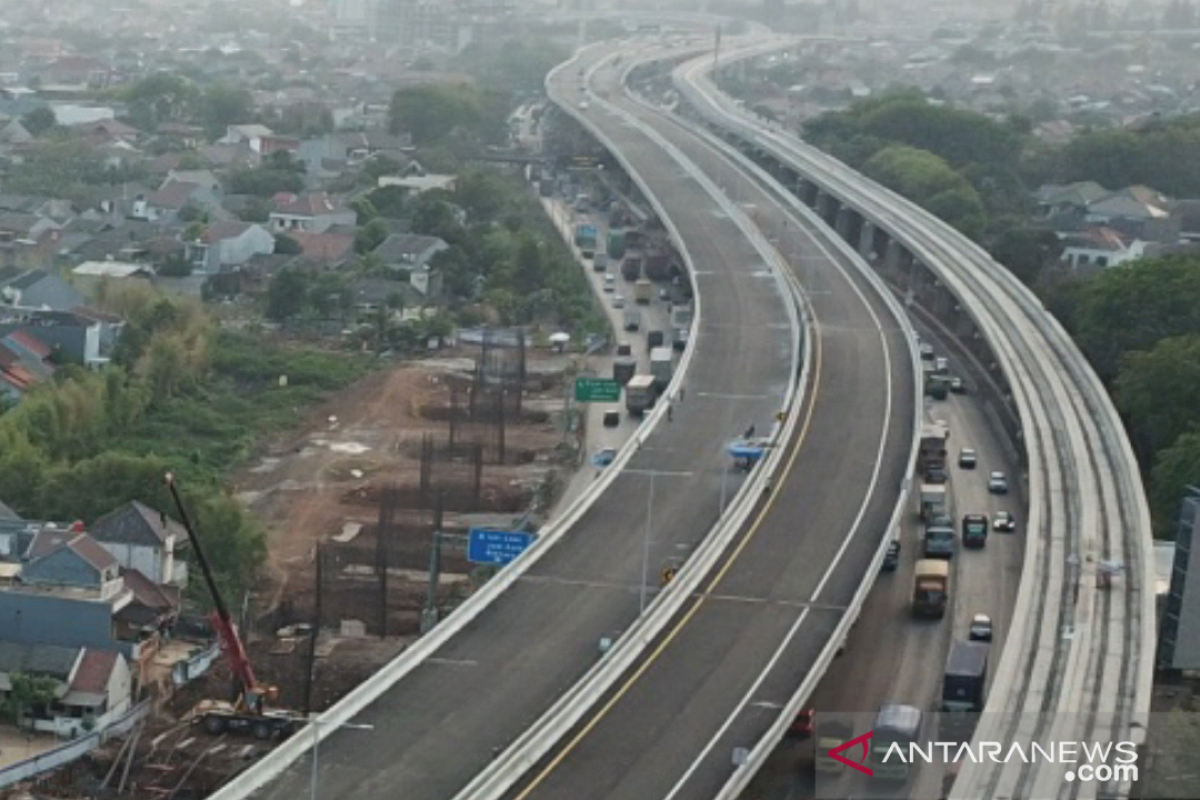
(306, 205)
(174, 195)
(95, 668)
(324, 246)
(30, 343)
(147, 592)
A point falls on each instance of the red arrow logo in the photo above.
(836, 752)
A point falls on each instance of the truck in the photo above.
(616, 244)
(654, 339)
(895, 724)
(658, 265)
(633, 319)
(935, 501)
(937, 384)
(600, 262)
(965, 678)
(631, 268)
(585, 236)
(939, 538)
(643, 292)
(933, 448)
(975, 530)
(931, 588)
(623, 369)
(662, 367)
(640, 394)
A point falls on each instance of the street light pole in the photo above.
(316, 723)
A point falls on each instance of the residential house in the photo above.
(27, 240)
(255, 136)
(67, 558)
(314, 212)
(38, 288)
(329, 248)
(92, 687)
(229, 244)
(88, 275)
(408, 255)
(34, 354)
(204, 178)
(145, 540)
(1070, 200)
(372, 294)
(362, 145)
(414, 180)
(188, 136)
(15, 377)
(74, 334)
(1100, 247)
(107, 131)
(1135, 204)
(165, 204)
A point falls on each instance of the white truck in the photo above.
(640, 394)
(934, 501)
(633, 319)
(681, 324)
(662, 367)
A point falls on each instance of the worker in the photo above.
(749, 433)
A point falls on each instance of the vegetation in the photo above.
(181, 396)
(27, 692)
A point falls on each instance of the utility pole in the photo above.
(429, 616)
(309, 673)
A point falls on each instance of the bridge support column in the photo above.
(891, 256)
(866, 240)
(844, 223)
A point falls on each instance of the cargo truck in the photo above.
(965, 678)
(643, 292)
(633, 319)
(600, 262)
(585, 236)
(623, 369)
(639, 394)
(934, 501)
(616, 244)
(658, 266)
(895, 724)
(932, 450)
(931, 588)
(662, 367)
(975, 530)
(631, 268)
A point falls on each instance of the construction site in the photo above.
(367, 505)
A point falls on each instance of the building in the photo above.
(409, 254)
(74, 335)
(1179, 627)
(90, 274)
(229, 243)
(145, 540)
(92, 687)
(1100, 247)
(315, 212)
(38, 288)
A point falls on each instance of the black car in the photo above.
(957, 386)
(892, 559)
(935, 475)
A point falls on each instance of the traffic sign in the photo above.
(597, 390)
(487, 546)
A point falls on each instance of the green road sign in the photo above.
(597, 390)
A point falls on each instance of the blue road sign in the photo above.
(486, 546)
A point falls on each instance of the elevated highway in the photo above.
(1078, 663)
(440, 712)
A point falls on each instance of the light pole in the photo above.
(316, 723)
(653, 473)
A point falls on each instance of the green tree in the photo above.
(287, 246)
(28, 692)
(481, 194)
(1175, 468)
(175, 265)
(1131, 307)
(91, 487)
(222, 106)
(39, 120)
(1025, 250)
(370, 236)
(434, 112)
(1158, 389)
(287, 294)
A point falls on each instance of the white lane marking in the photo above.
(791, 634)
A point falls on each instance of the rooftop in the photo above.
(112, 269)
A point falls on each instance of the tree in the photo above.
(1133, 306)
(1175, 468)
(26, 693)
(175, 265)
(1025, 250)
(481, 194)
(431, 113)
(370, 236)
(222, 106)
(39, 120)
(1157, 389)
(287, 294)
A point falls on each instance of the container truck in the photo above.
(932, 450)
(661, 367)
(585, 236)
(643, 292)
(639, 394)
(931, 588)
(616, 244)
(633, 319)
(975, 530)
(623, 369)
(966, 677)
(934, 501)
(895, 724)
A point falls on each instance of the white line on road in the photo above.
(452, 662)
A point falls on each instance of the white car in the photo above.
(618, 301)
(981, 628)
(997, 483)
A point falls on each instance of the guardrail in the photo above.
(499, 776)
(1083, 479)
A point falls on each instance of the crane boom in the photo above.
(246, 687)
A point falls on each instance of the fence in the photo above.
(70, 751)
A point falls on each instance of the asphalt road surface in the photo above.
(437, 727)
(719, 675)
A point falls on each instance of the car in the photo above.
(664, 294)
(892, 559)
(802, 725)
(997, 483)
(981, 628)
(957, 386)
(927, 352)
(618, 301)
(941, 366)
(967, 458)
(612, 418)
(604, 456)
(609, 288)
(1004, 522)
(935, 475)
